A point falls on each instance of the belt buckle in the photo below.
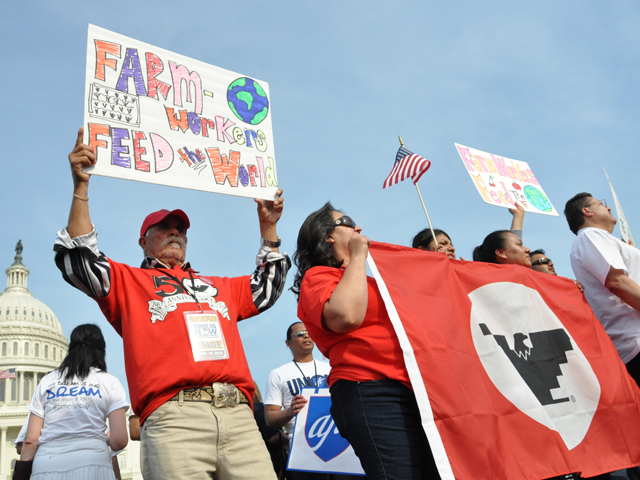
(224, 395)
(195, 394)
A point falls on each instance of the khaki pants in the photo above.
(197, 441)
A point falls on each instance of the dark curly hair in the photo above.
(87, 349)
(424, 238)
(487, 251)
(313, 249)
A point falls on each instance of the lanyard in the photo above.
(315, 367)
(193, 286)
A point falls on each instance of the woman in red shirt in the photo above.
(373, 404)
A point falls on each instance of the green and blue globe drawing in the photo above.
(538, 199)
(248, 100)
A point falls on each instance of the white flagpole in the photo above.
(423, 206)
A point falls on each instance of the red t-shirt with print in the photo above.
(146, 307)
(371, 352)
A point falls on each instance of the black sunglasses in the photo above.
(300, 333)
(542, 261)
(346, 221)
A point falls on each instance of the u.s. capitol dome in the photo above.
(31, 345)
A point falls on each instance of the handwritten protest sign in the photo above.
(158, 117)
(502, 181)
(317, 445)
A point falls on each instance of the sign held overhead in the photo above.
(158, 117)
(502, 181)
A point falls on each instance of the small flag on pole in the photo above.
(11, 373)
(407, 164)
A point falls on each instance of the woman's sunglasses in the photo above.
(346, 221)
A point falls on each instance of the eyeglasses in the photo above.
(542, 261)
(300, 333)
(603, 202)
(346, 221)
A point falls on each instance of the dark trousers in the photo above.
(633, 367)
(381, 421)
(293, 475)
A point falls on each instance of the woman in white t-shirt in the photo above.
(66, 436)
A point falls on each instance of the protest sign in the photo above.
(317, 445)
(158, 117)
(625, 232)
(502, 181)
(513, 374)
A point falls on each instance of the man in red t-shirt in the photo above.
(189, 380)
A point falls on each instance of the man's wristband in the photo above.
(269, 243)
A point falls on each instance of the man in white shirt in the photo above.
(609, 269)
(282, 399)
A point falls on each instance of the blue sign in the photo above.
(321, 432)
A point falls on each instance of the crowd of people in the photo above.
(191, 387)
(340, 306)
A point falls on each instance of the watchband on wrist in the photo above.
(270, 243)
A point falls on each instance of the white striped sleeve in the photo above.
(267, 281)
(82, 265)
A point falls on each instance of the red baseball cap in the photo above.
(157, 217)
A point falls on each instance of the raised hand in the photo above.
(270, 211)
(81, 156)
(518, 216)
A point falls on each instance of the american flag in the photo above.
(11, 373)
(407, 164)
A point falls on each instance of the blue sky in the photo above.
(550, 83)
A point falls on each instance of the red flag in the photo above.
(407, 165)
(514, 375)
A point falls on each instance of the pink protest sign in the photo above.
(502, 181)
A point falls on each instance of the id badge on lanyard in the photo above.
(206, 336)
